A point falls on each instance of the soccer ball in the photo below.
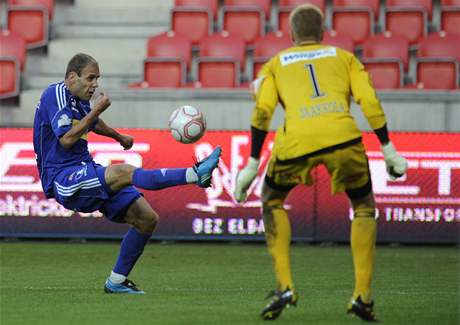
(187, 124)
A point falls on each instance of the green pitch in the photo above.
(62, 283)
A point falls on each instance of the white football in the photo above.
(187, 124)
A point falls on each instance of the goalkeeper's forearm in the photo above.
(382, 134)
(257, 141)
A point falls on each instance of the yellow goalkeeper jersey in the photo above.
(313, 83)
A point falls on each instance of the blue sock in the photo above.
(156, 179)
(131, 248)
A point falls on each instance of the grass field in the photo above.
(61, 283)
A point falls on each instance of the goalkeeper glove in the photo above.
(396, 164)
(244, 179)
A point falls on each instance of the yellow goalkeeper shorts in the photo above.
(347, 165)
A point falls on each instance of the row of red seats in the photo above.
(27, 26)
(358, 18)
(222, 58)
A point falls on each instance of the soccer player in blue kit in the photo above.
(68, 173)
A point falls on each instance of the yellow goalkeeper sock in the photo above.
(363, 236)
(278, 236)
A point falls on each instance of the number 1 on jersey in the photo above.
(314, 81)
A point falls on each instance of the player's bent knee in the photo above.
(151, 221)
(145, 222)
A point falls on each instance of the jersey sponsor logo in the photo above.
(293, 57)
(64, 120)
(84, 136)
(82, 172)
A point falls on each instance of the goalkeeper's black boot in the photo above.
(362, 310)
(278, 301)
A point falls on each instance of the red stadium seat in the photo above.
(437, 61)
(193, 22)
(221, 61)
(355, 18)
(210, 5)
(30, 22)
(168, 60)
(264, 5)
(48, 4)
(343, 41)
(267, 46)
(385, 58)
(450, 16)
(387, 46)
(245, 18)
(9, 76)
(12, 44)
(285, 8)
(408, 18)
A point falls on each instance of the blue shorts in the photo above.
(83, 188)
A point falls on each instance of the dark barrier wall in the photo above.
(423, 207)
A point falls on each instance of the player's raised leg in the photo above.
(143, 220)
(278, 238)
(363, 237)
(140, 214)
(118, 176)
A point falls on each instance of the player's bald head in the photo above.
(306, 23)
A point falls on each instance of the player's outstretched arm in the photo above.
(102, 128)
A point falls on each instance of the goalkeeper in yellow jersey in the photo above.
(314, 83)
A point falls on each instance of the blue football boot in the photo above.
(126, 286)
(205, 167)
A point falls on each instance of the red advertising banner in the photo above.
(422, 207)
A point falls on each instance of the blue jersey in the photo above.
(55, 114)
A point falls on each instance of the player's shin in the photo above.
(278, 237)
(131, 248)
(156, 179)
(363, 237)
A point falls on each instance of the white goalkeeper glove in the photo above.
(396, 164)
(245, 178)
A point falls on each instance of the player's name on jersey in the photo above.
(320, 109)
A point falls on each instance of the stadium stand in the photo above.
(30, 19)
(168, 59)
(117, 34)
(408, 18)
(438, 61)
(386, 58)
(285, 7)
(355, 17)
(10, 76)
(450, 16)
(209, 5)
(48, 4)
(221, 61)
(12, 44)
(267, 46)
(246, 18)
(343, 41)
(192, 21)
